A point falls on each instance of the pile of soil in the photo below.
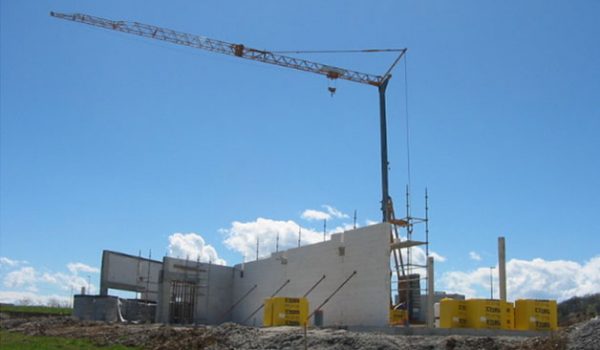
(583, 336)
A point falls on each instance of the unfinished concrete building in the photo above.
(185, 292)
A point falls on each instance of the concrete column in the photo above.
(104, 273)
(502, 267)
(430, 293)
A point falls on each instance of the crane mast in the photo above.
(242, 51)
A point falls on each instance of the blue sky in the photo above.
(110, 141)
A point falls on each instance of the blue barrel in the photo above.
(318, 318)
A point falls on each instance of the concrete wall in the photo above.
(112, 309)
(364, 301)
(214, 284)
(96, 308)
(134, 310)
(212, 309)
(128, 272)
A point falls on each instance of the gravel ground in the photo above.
(583, 336)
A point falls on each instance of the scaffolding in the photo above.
(187, 290)
(409, 258)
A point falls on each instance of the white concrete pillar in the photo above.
(502, 267)
(430, 293)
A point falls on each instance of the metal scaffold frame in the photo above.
(406, 284)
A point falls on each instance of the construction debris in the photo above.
(583, 336)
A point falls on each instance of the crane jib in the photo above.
(238, 50)
(242, 51)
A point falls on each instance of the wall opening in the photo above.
(182, 302)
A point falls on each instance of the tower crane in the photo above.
(242, 51)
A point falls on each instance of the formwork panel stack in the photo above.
(285, 311)
(508, 315)
(536, 315)
(476, 313)
(484, 313)
(453, 313)
(398, 317)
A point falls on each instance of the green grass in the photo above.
(37, 309)
(18, 341)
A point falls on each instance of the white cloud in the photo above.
(329, 213)
(537, 278)
(4, 261)
(559, 278)
(192, 246)
(466, 282)
(28, 281)
(474, 256)
(334, 212)
(68, 282)
(24, 277)
(81, 267)
(371, 222)
(241, 236)
(437, 257)
(311, 215)
(18, 297)
(418, 256)
(341, 228)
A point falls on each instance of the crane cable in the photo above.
(332, 90)
(337, 51)
(407, 122)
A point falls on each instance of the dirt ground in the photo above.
(582, 336)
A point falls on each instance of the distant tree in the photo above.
(25, 301)
(53, 302)
(578, 309)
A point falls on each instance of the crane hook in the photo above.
(332, 85)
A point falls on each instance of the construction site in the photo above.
(345, 281)
(360, 288)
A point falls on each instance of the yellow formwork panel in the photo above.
(285, 311)
(484, 313)
(508, 315)
(268, 313)
(536, 315)
(453, 313)
(398, 317)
